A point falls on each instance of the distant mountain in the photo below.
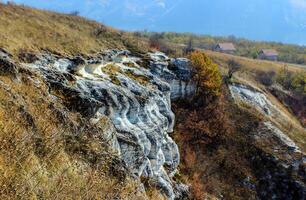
(274, 20)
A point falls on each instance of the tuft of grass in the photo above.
(112, 70)
(143, 80)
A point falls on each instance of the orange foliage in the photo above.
(199, 125)
(204, 122)
(214, 146)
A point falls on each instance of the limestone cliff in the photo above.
(135, 95)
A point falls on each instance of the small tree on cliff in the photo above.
(207, 76)
(233, 67)
(189, 48)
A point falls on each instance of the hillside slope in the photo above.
(247, 144)
(80, 119)
(48, 151)
(28, 30)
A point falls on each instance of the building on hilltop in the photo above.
(268, 54)
(225, 48)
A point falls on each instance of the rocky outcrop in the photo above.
(177, 72)
(279, 164)
(252, 97)
(137, 99)
(262, 103)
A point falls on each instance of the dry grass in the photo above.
(143, 80)
(47, 152)
(252, 65)
(27, 29)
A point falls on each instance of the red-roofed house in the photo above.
(225, 48)
(268, 54)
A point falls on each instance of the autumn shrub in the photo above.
(155, 41)
(207, 76)
(295, 82)
(284, 77)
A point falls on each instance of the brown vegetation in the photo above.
(212, 144)
(213, 135)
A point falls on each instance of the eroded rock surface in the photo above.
(177, 72)
(136, 98)
(253, 97)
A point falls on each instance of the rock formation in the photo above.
(136, 96)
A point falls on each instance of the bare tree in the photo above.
(189, 48)
(233, 67)
(137, 34)
(10, 3)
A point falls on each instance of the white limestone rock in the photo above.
(135, 99)
(282, 137)
(253, 97)
(177, 72)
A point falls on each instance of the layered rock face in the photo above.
(176, 72)
(136, 96)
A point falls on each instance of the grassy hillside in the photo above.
(47, 151)
(253, 71)
(24, 29)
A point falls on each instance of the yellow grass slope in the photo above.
(27, 29)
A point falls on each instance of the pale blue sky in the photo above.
(272, 20)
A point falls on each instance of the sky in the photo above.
(262, 20)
